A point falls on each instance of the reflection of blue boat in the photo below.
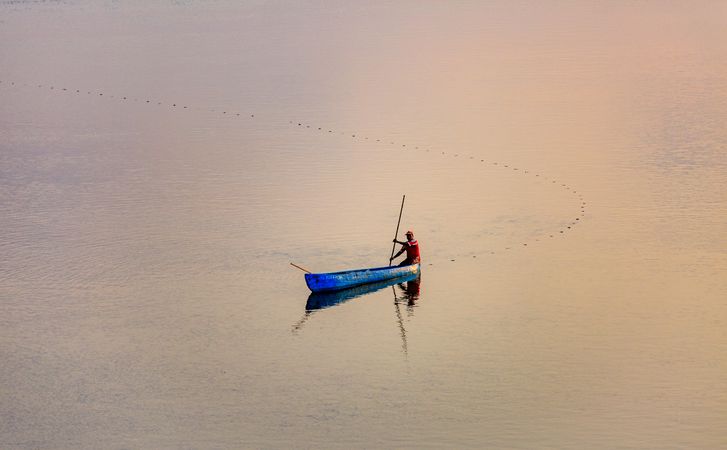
(321, 282)
(319, 300)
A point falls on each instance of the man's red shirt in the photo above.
(412, 251)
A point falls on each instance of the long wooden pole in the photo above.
(393, 247)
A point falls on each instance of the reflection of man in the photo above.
(411, 247)
(411, 292)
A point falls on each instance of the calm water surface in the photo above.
(565, 169)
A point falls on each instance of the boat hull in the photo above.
(334, 281)
(321, 300)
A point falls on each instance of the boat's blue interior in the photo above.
(361, 270)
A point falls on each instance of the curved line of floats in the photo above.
(327, 131)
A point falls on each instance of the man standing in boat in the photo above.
(411, 246)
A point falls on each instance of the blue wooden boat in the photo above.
(334, 281)
(320, 300)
